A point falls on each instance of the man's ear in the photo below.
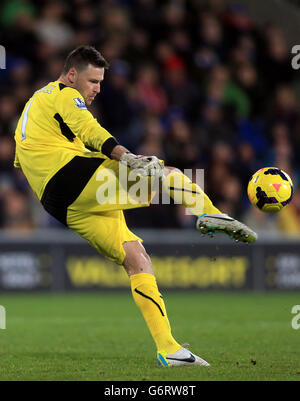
(72, 74)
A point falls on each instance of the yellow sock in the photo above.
(149, 301)
(188, 193)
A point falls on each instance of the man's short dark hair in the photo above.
(82, 56)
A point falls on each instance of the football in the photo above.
(270, 189)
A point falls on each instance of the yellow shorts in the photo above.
(105, 231)
(97, 214)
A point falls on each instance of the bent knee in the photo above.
(137, 259)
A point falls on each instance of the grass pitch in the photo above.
(103, 337)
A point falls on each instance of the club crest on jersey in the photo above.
(80, 103)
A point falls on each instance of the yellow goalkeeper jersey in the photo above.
(54, 127)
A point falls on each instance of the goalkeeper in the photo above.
(65, 153)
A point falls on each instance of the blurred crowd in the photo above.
(196, 83)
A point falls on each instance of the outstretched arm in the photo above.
(73, 112)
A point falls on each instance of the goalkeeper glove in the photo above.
(144, 165)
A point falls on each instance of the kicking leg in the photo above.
(210, 219)
(148, 299)
(188, 193)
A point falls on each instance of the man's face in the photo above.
(87, 82)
